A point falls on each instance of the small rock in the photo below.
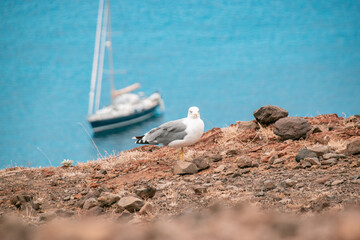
(131, 203)
(292, 128)
(95, 211)
(36, 205)
(240, 172)
(107, 199)
(67, 198)
(147, 209)
(337, 182)
(268, 185)
(278, 161)
(182, 167)
(285, 201)
(259, 194)
(270, 114)
(201, 163)
(323, 180)
(320, 150)
(305, 164)
(245, 125)
(89, 203)
(355, 164)
(48, 216)
(232, 153)
(312, 160)
(353, 147)
(214, 157)
(199, 190)
(145, 192)
(63, 213)
(333, 155)
(304, 153)
(290, 182)
(125, 216)
(330, 161)
(319, 128)
(244, 162)
(219, 169)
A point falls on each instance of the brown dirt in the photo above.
(283, 187)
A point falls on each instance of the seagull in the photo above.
(177, 134)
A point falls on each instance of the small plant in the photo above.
(67, 163)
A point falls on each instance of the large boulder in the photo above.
(270, 114)
(292, 127)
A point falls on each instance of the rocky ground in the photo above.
(309, 170)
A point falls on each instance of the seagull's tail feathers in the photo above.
(139, 140)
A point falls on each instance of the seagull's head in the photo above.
(194, 113)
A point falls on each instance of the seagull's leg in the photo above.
(182, 154)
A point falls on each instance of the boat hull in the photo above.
(118, 122)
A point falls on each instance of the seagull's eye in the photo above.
(190, 111)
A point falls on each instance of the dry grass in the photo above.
(266, 133)
(337, 144)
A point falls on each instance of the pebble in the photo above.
(182, 167)
(199, 190)
(219, 169)
(145, 192)
(201, 163)
(337, 182)
(290, 182)
(333, 155)
(312, 160)
(278, 161)
(353, 147)
(330, 161)
(131, 203)
(320, 150)
(244, 162)
(269, 185)
(285, 201)
(89, 203)
(147, 209)
(47, 216)
(95, 211)
(107, 199)
(304, 153)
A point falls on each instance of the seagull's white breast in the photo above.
(194, 130)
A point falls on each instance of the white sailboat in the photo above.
(126, 108)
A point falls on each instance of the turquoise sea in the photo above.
(228, 57)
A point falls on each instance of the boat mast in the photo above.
(109, 46)
(101, 61)
(96, 57)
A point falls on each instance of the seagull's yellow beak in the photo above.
(196, 114)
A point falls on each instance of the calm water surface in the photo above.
(226, 57)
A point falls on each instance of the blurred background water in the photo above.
(226, 57)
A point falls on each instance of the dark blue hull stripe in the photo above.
(100, 123)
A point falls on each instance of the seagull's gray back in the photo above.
(166, 133)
